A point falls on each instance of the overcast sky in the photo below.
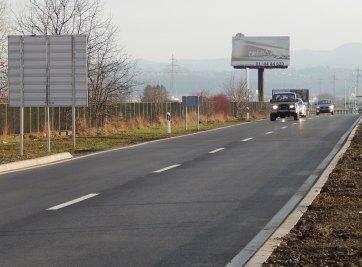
(153, 29)
(200, 29)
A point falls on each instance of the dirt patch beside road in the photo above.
(329, 233)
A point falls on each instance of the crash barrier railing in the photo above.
(60, 117)
(338, 111)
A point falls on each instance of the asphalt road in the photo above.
(167, 203)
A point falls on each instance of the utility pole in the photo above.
(345, 96)
(357, 88)
(334, 88)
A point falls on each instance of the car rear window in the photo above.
(283, 97)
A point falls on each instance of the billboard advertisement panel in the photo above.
(47, 70)
(260, 51)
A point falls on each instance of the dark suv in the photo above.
(284, 105)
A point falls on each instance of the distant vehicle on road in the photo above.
(302, 108)
(284, 105)
(324, 106)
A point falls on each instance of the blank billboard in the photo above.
(260, 51)
(45, 70)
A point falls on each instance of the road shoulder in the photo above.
(276, 247)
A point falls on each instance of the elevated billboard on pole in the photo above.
(260, 51)
(47, 71)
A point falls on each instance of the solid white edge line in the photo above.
(259, 239)
(57, 207)
(247, 139)
(269, 132)
(216, 150)
(167, 168)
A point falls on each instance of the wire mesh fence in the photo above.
(60, 117)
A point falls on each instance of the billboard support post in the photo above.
(261, 84)
(21, 131)
(186, 115)
(47, 99)
(247, 72)
(192, 101)
(198, 113)
(73, 93)
(48, 126)
(22, 96)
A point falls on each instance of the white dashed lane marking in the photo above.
(216, 150)
(73, 201)
(167, 168)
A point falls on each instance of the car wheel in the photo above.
(317, 114)
(272, 118)
(296, 117)
(332, 113)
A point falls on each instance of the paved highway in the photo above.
(194, 200)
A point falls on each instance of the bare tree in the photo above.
(4, 29)
(239, 95)
(111, 71)
(325, 96)
(155, 93)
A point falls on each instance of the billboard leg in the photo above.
(73, 126)
(261, 84)
(198, 113)
(21, 131)
(48, 127)
(186, 117)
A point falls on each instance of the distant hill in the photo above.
(309, 69)
(346, 56)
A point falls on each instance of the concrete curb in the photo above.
(254, 246)
(275, 239)
(29, 163)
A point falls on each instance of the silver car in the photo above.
(302, 108)
(324, 106)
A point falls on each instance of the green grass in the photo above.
(35, 146)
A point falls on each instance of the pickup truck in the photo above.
(284, 105)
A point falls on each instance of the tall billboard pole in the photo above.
(261, 84)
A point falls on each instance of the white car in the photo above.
(302, 108)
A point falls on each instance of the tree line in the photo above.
(112, 73)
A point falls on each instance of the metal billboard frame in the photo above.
(56, 68)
